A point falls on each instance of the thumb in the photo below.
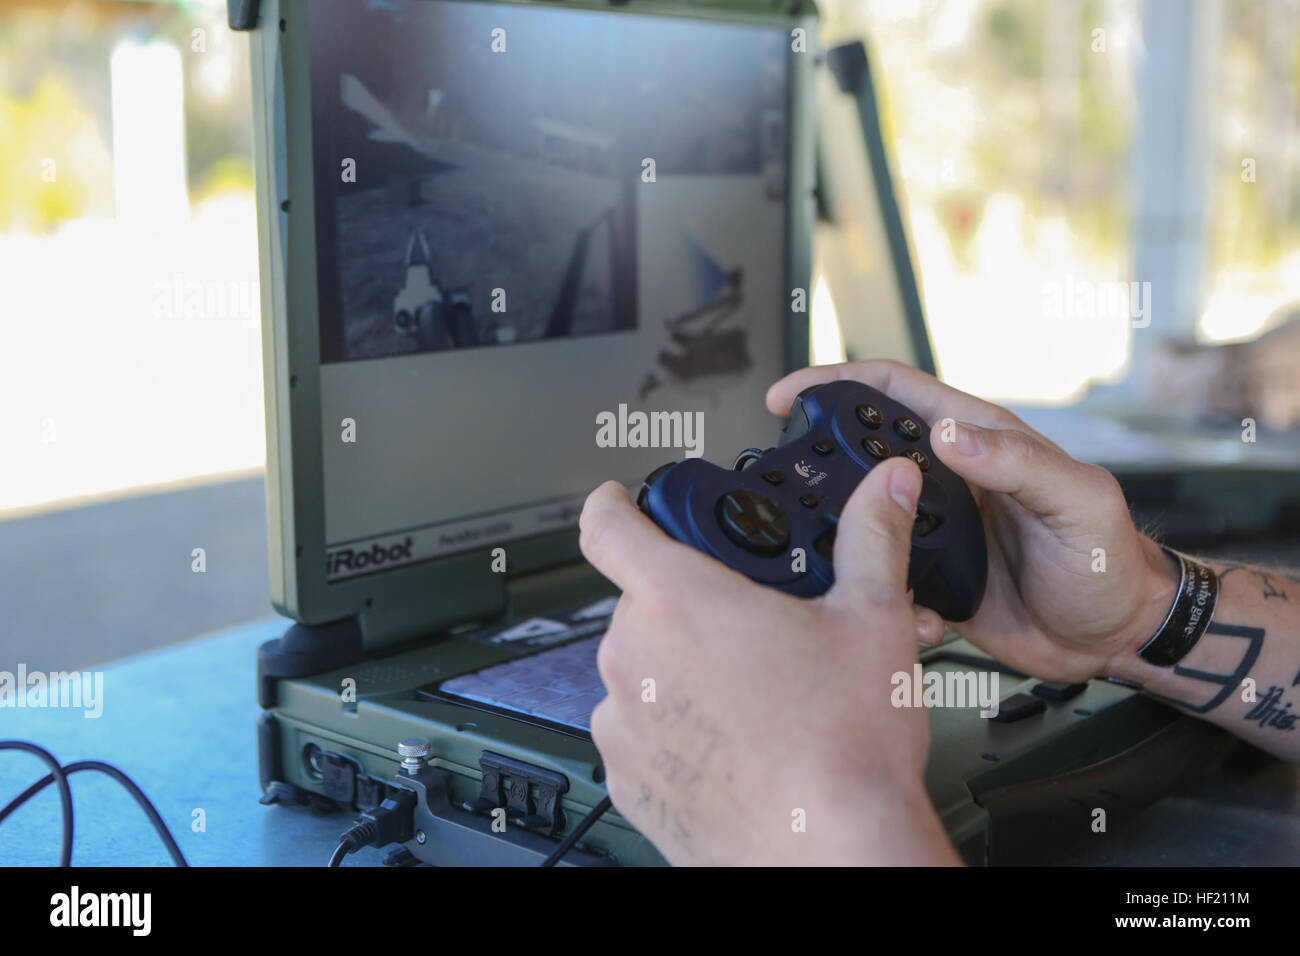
(873, 542)
(1036, 473)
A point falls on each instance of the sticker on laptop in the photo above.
(537, 632)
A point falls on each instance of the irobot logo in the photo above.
(352, 559)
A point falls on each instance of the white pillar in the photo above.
(1172, 161)
(148, 134)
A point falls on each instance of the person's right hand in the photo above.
(1073, 584)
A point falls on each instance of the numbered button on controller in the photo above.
(876, 447)
(869, 415)
(921, 458)
(908, 427)
(754, 522)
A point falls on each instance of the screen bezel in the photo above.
(440, 593)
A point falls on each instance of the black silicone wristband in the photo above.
(1198, 593)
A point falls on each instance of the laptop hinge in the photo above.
(543, 591)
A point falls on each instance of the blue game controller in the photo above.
(753, 517)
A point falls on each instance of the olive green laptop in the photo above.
(484, 228)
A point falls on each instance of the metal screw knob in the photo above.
(414, 752)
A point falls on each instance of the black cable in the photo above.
(26, 795)
(340, 852)
(576, 833)
(150, 811)
(57, 774)
(363, 834)
(393, 821)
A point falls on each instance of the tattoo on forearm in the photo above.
(1268, 587)
(1254, 638)
(1272, 711)
(1270, 591)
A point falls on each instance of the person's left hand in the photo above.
(745, 726)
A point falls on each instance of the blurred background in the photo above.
(1050, 150)
(1045, 151)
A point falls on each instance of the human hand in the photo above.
(746, 726)
(1073, 588)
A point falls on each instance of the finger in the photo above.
(626, 546)
(873, 539)
(613, 667)
(929, 627)
(919, 391)
(610, 734)
(1032, 470)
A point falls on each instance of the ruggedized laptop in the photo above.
(511, 250)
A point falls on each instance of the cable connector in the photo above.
(393, 821)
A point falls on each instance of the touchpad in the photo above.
(560, 685)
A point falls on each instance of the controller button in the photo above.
(921, 458)
(870, 416)
(650, 480)
(876, 448)
(773, 477)
(810, 501)
(908, 427)
(824, 447)
(925, 523)
(747, 456)
(825, 544)
(754, 521)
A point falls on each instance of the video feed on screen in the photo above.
(480, 170)
(604, 195)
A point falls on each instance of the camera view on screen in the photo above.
(470, 193)
(606, 193)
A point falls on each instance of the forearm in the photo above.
(1244, 673)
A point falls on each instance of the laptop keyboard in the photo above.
(561, 685)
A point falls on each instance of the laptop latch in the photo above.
(529, 794)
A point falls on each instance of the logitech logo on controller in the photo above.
(639, 429)
(809, 474)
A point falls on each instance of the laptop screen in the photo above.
(551, 251)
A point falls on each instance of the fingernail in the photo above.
(968, 440)
(905, 487)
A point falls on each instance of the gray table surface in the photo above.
(181, 722)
